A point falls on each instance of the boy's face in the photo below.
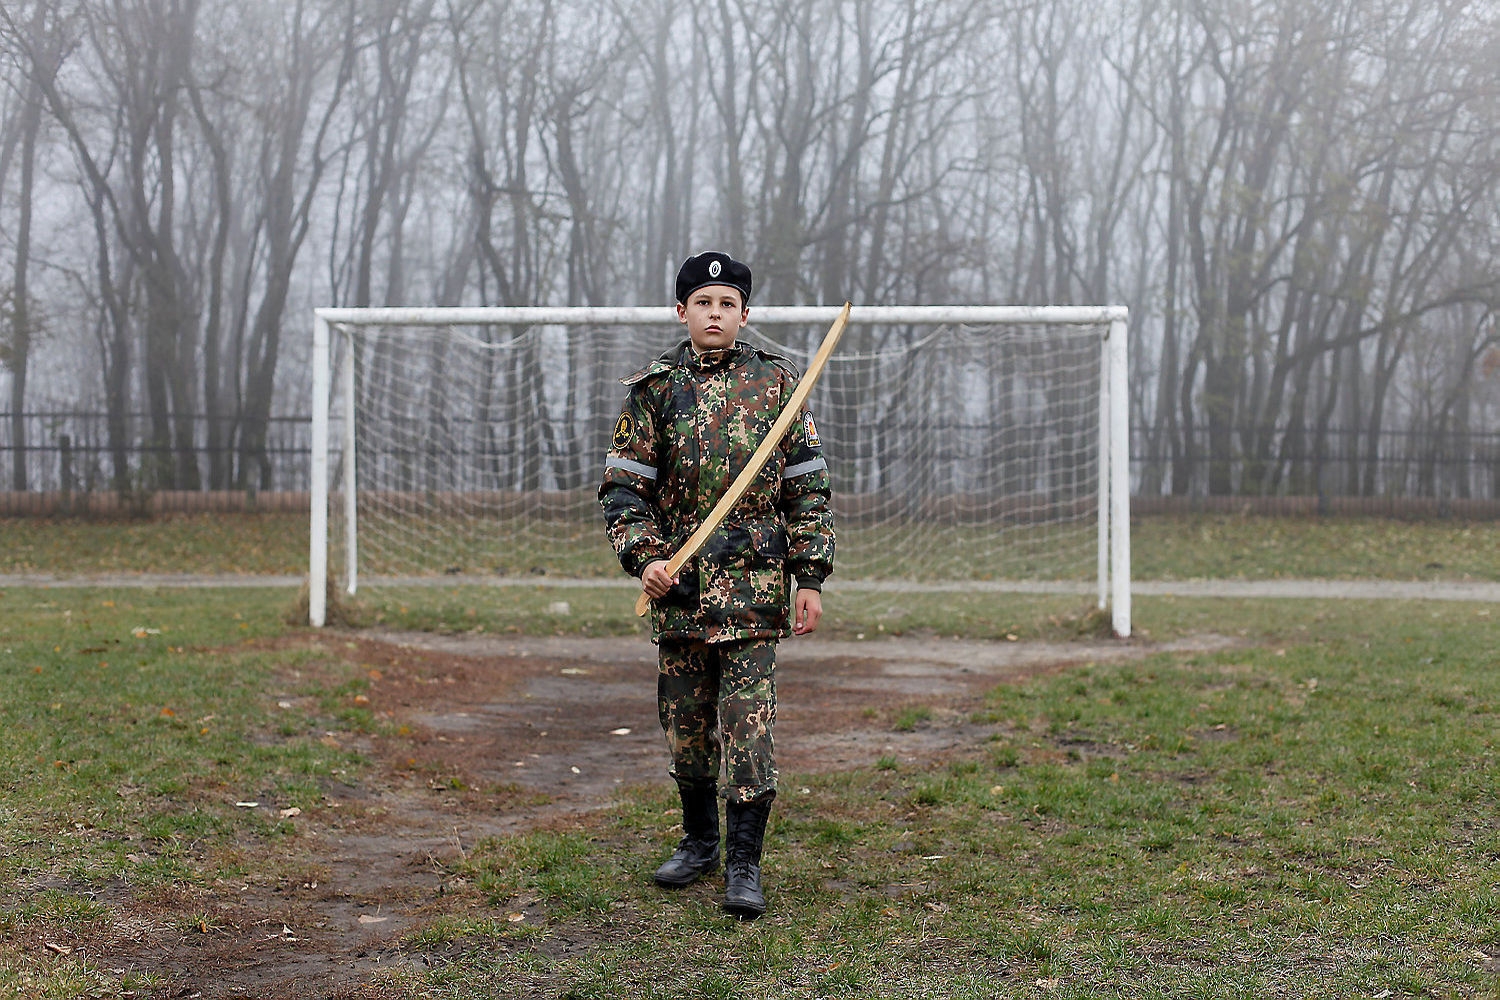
(714, 315)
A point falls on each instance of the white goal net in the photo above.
(968, 446)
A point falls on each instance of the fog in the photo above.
(1296, 200)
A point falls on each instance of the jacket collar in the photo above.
(710, 361)
(682, 356)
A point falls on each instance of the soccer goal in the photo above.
(970, 447)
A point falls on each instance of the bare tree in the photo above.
(20, 317)
(1295, 199)
(305, 95)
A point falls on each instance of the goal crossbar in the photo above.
(1113, 585)
(650, 315)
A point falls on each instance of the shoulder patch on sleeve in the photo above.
(813, 441)
(624, 430)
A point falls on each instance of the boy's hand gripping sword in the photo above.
(790, 412)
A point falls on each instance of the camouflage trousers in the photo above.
(717, 702)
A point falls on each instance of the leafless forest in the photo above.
(1297, 199)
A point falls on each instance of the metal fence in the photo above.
(1450, 464)
(69, 452)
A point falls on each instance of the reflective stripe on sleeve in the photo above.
(803, 468)
(616, 462)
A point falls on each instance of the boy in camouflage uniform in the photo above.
(693, 418)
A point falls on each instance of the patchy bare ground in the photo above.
(506, 734)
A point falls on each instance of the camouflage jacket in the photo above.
(689, 426)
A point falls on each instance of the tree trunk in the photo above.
(19, 346)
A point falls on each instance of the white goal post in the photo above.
(367, 348)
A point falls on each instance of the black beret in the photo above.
(712, 268)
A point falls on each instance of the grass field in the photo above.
(1304, 820)
(1307, 811)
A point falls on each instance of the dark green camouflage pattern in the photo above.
(718, 701)
(688, 427)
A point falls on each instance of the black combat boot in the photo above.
(746, 828)
(698, 852)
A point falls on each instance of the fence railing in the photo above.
(70, 453)
(1450, 464)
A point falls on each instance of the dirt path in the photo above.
(1374, 590)
(506, 734)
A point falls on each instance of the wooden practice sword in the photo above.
(791, 411)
